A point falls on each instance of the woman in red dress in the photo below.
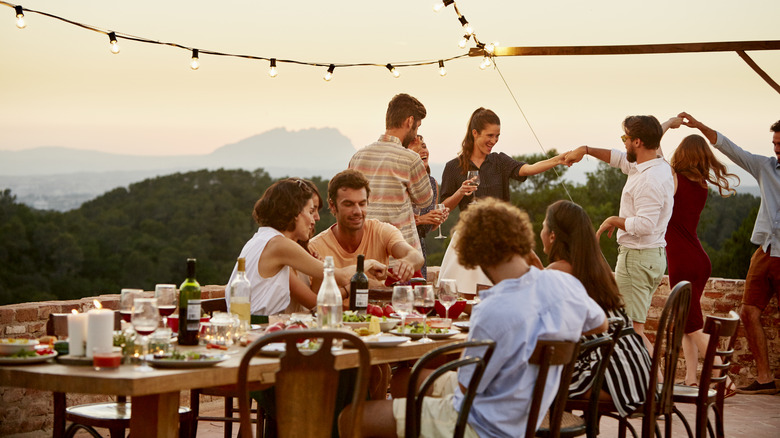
(694, 166)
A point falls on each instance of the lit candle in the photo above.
(77, 331)
(100, 329)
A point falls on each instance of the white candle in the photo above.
(100, 330)
(77, 331)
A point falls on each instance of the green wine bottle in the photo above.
(189, 307)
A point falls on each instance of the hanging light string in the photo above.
(124, 36)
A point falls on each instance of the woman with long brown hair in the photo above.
(569, 240)
(694, 166)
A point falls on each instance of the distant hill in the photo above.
(59, 178)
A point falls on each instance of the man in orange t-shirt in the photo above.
(353, 234)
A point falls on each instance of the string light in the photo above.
(20, 17)
(466, 26)
(442, 70)
(486, 62)
(114, 44)
(195, 63)
(329, 74)
(491, 47)
(393, 70)
(272, 72)
(439, 6)
(464, 41)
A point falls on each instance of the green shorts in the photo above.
(638, 273)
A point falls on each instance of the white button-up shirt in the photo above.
(646, 202)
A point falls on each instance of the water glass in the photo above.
(402, 300)
(448, 294)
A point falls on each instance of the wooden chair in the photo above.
(545, 355)
(306, 384)
(416, 393)
(705, 397)
(114, 416)
(573, 425)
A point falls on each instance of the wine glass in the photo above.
(402, 300)
(473, 180)
(146, 317)
(166, 301)
(448, 294)
(423, 303)
(440, 207)
(126, 300)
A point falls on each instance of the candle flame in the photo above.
(97, 304)
(74, 311)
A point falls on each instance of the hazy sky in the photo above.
(61, 86)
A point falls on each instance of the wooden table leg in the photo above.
(155, 415)
(59, 414)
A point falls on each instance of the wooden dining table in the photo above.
(155, 394)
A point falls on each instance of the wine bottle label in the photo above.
(361, 298)
(193, 315)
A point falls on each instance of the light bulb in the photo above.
(329, 74)
(464, 41)
(114, 44)
(491, 47)
(393, 70)
(442, 70)
(195, 63)
(439, 6)
(485, 63)
(272, 72)
(20, 17)
(466, 26)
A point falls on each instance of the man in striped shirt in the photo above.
(397, 175)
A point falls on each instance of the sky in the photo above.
(61, 86)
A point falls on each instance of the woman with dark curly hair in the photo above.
(569, 240)
(286, 215)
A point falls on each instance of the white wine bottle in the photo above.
(239, 296)
(329, 307)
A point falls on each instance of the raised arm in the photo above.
(690, 122)
(575, 155)
(541, 166)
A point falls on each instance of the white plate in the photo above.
(26, 360)
(192, 363)
(384, 340)
(463, 325)
(277, 348)
(449, 333)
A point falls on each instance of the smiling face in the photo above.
(419, 146)
(350, 208)
(631, 145)
(485, 140)
(304, 222)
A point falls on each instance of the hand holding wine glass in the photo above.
(423, 303)
(146, 317)
(472, 179)
(166, 301)
(441, 208)
(448, 294)
(402, 300)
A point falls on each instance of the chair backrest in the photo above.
(666, 351)
(605, 345)
(57, 325)
(416, 393)
(213, 305)
(718, 328)
(545, 355)
(306, 383)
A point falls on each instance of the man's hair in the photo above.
(645, 128)
(492, 231)
(282, 203)
(351, 179)
(775, 127)
(402, 106)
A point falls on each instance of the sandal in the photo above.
(731, 388)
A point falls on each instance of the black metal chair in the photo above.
(416, 391)
(704, 396)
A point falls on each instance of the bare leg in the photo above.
(751, 318)
(639, 328)
(691, 353)
(377, 421)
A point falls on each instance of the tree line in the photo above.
(142, 235)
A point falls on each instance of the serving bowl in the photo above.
(388, 324)
(10, 346)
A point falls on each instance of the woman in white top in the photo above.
(286, 214)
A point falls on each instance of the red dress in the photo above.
(685, 256)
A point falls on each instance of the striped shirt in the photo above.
(398, 183)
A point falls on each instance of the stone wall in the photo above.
(28, 320)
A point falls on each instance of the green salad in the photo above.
(417, 327)
(352, 316)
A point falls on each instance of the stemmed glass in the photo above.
(423, 303)
(146, 317)
(473, 180)
(402, 303)
(440, 207)
(448, 294)
(166, 301)
(126, 300)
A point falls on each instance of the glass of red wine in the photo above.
(146, 318)
(423, 303)
(126, 300)
(166, 301)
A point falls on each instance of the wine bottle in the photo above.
(239, 296)
(189, 307)
(329, 306)
(358, 288)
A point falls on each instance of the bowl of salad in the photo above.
(11, 346)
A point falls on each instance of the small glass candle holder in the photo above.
(109, 359)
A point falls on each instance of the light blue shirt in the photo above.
(765, 170)
(515, 313)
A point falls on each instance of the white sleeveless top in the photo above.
(268, 296)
